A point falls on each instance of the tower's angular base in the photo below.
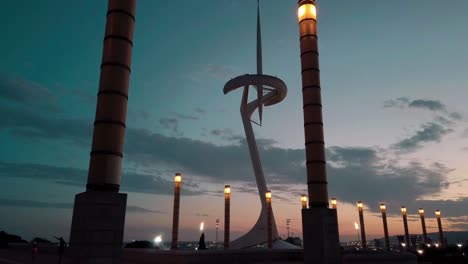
(97, 227)
(321, 238)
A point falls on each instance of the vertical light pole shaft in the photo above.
(175, 214)
(405, 225)
(383, 209)
(439, 224)
(361, 222)
(217, 227)
(227, 214)
(111, 110)
(423, 224)
(269, 220)
(312, 105)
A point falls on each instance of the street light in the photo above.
(269, 220)
(304, 201)
(175, 215)
(360, 206)
(405, 225)
(383, 210)
(439, 223)
(227, 214)
(333, 203)
(423, 224)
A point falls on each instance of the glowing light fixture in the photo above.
(178, 177)
(307, 11)
(437, 212)
(356, 226)
(420, 251)
(403, 210)
(202, 226)
(227, 189)
(333, 202)
(382, 207)
(158, 239)
(304, 201)
(359, 204)
(268, 194)
(421, 211)
(459, 245)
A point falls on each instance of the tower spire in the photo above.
(259, 64)
(259, 41)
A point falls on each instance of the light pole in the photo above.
(217, 227)
(405, 225)
(423, 224)
(288, 224)
(227, 214)
(175, 215)
(269, 222)
(383, 209)
(439, 223)
(361, 221)
(333, 203)
(319, 222)
(356, 226)
(304, 201)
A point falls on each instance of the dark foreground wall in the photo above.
(388, 258)
(147, 256)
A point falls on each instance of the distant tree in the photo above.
(140, 244)
(41, 240)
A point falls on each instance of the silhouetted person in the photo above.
(61, 248)
(34, 250)
(201, 243)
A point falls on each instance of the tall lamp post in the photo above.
(269, 222)
(319, 223)
(405, 225)
(175, 215)
(439, 223)
(227, 214)
(383, 209)
(361, 222)
(423, 224)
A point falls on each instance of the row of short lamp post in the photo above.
(383, 210)
(227, 214)
(360, 205)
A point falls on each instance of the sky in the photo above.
(394, 88)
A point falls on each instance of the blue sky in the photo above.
(394, 86)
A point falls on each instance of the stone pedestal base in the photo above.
(321, 238)
(97, 227)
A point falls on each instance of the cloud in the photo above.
(26, 93)
(200, 110)
(173, 122)
(42, 205)
(154, 183)
(354, 173)
(432, 105)
(170, 123)
(403, 102)
(429, 132)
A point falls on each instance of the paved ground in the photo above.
(17, 256)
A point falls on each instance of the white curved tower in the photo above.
(270, 91)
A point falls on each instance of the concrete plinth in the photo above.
(321, 238)
(97, 227)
